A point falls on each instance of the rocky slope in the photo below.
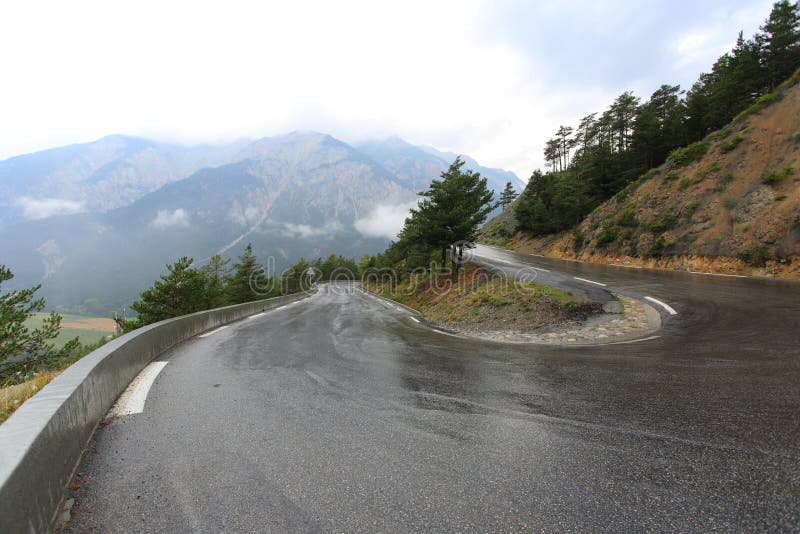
(728, 204)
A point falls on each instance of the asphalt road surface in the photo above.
(340, 413)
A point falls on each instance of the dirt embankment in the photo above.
(727, 204)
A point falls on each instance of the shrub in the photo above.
(578, 239)
(684, 184)
(729, 203)
(681, 157)
(607, 235)
(672, 176)
(689, 209)
(666, 221)
(731, 144)
(795, 136)
(660, 245)
(728, 177)
(756, 256)
(628, 217)
(773, 177)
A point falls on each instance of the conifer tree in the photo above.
(508, 195)
(179, 292)
(248, 281)
(216, 271)
(22, 348)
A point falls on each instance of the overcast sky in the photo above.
(490, 79)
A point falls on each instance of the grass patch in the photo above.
(757, 256)
(773, 177)
(776, 176)
(627, 217)
(671, 176)
(665, 221)
(690, 209)
(795, 136)
(88, 330)
(486, 301)
(731, 143)
(12, 397)
(684, 184)
(760, 103)
(729, 203)
(681, 157)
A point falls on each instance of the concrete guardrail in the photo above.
(42, 443)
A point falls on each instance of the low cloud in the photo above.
(40, 208)
(244, 216)
(384, 220)
(306, 231)
(51, 257)
(170, 219)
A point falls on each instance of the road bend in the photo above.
(341, 413)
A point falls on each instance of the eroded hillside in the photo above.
(729, 203)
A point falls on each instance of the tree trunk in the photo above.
(457, 258)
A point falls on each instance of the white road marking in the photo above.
(633, 340)
(213, 331)
(720, 274)
(590, 281)
(257, 315)
(133, 398)
(667, 307)
(415, 319)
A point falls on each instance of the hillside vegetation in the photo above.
(730, 203)
(704, 180)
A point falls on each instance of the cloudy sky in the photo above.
(490, 79)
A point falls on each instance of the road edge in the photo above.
(44, 441)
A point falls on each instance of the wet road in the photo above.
(340, 413)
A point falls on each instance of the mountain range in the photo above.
(95, 223)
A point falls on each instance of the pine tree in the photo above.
(248, 281)
(508, 195)
(215, 272)
(179, 292)
(781, 49)
(452, 210)
(23, 349)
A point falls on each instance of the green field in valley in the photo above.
(87, 329)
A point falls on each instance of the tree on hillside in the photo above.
(180, 291)
(298, 277)
(611, 149)
(248, 281)
(215, 273)
(781, 41)
(452, 210)
(23, 349)
(508, 195)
